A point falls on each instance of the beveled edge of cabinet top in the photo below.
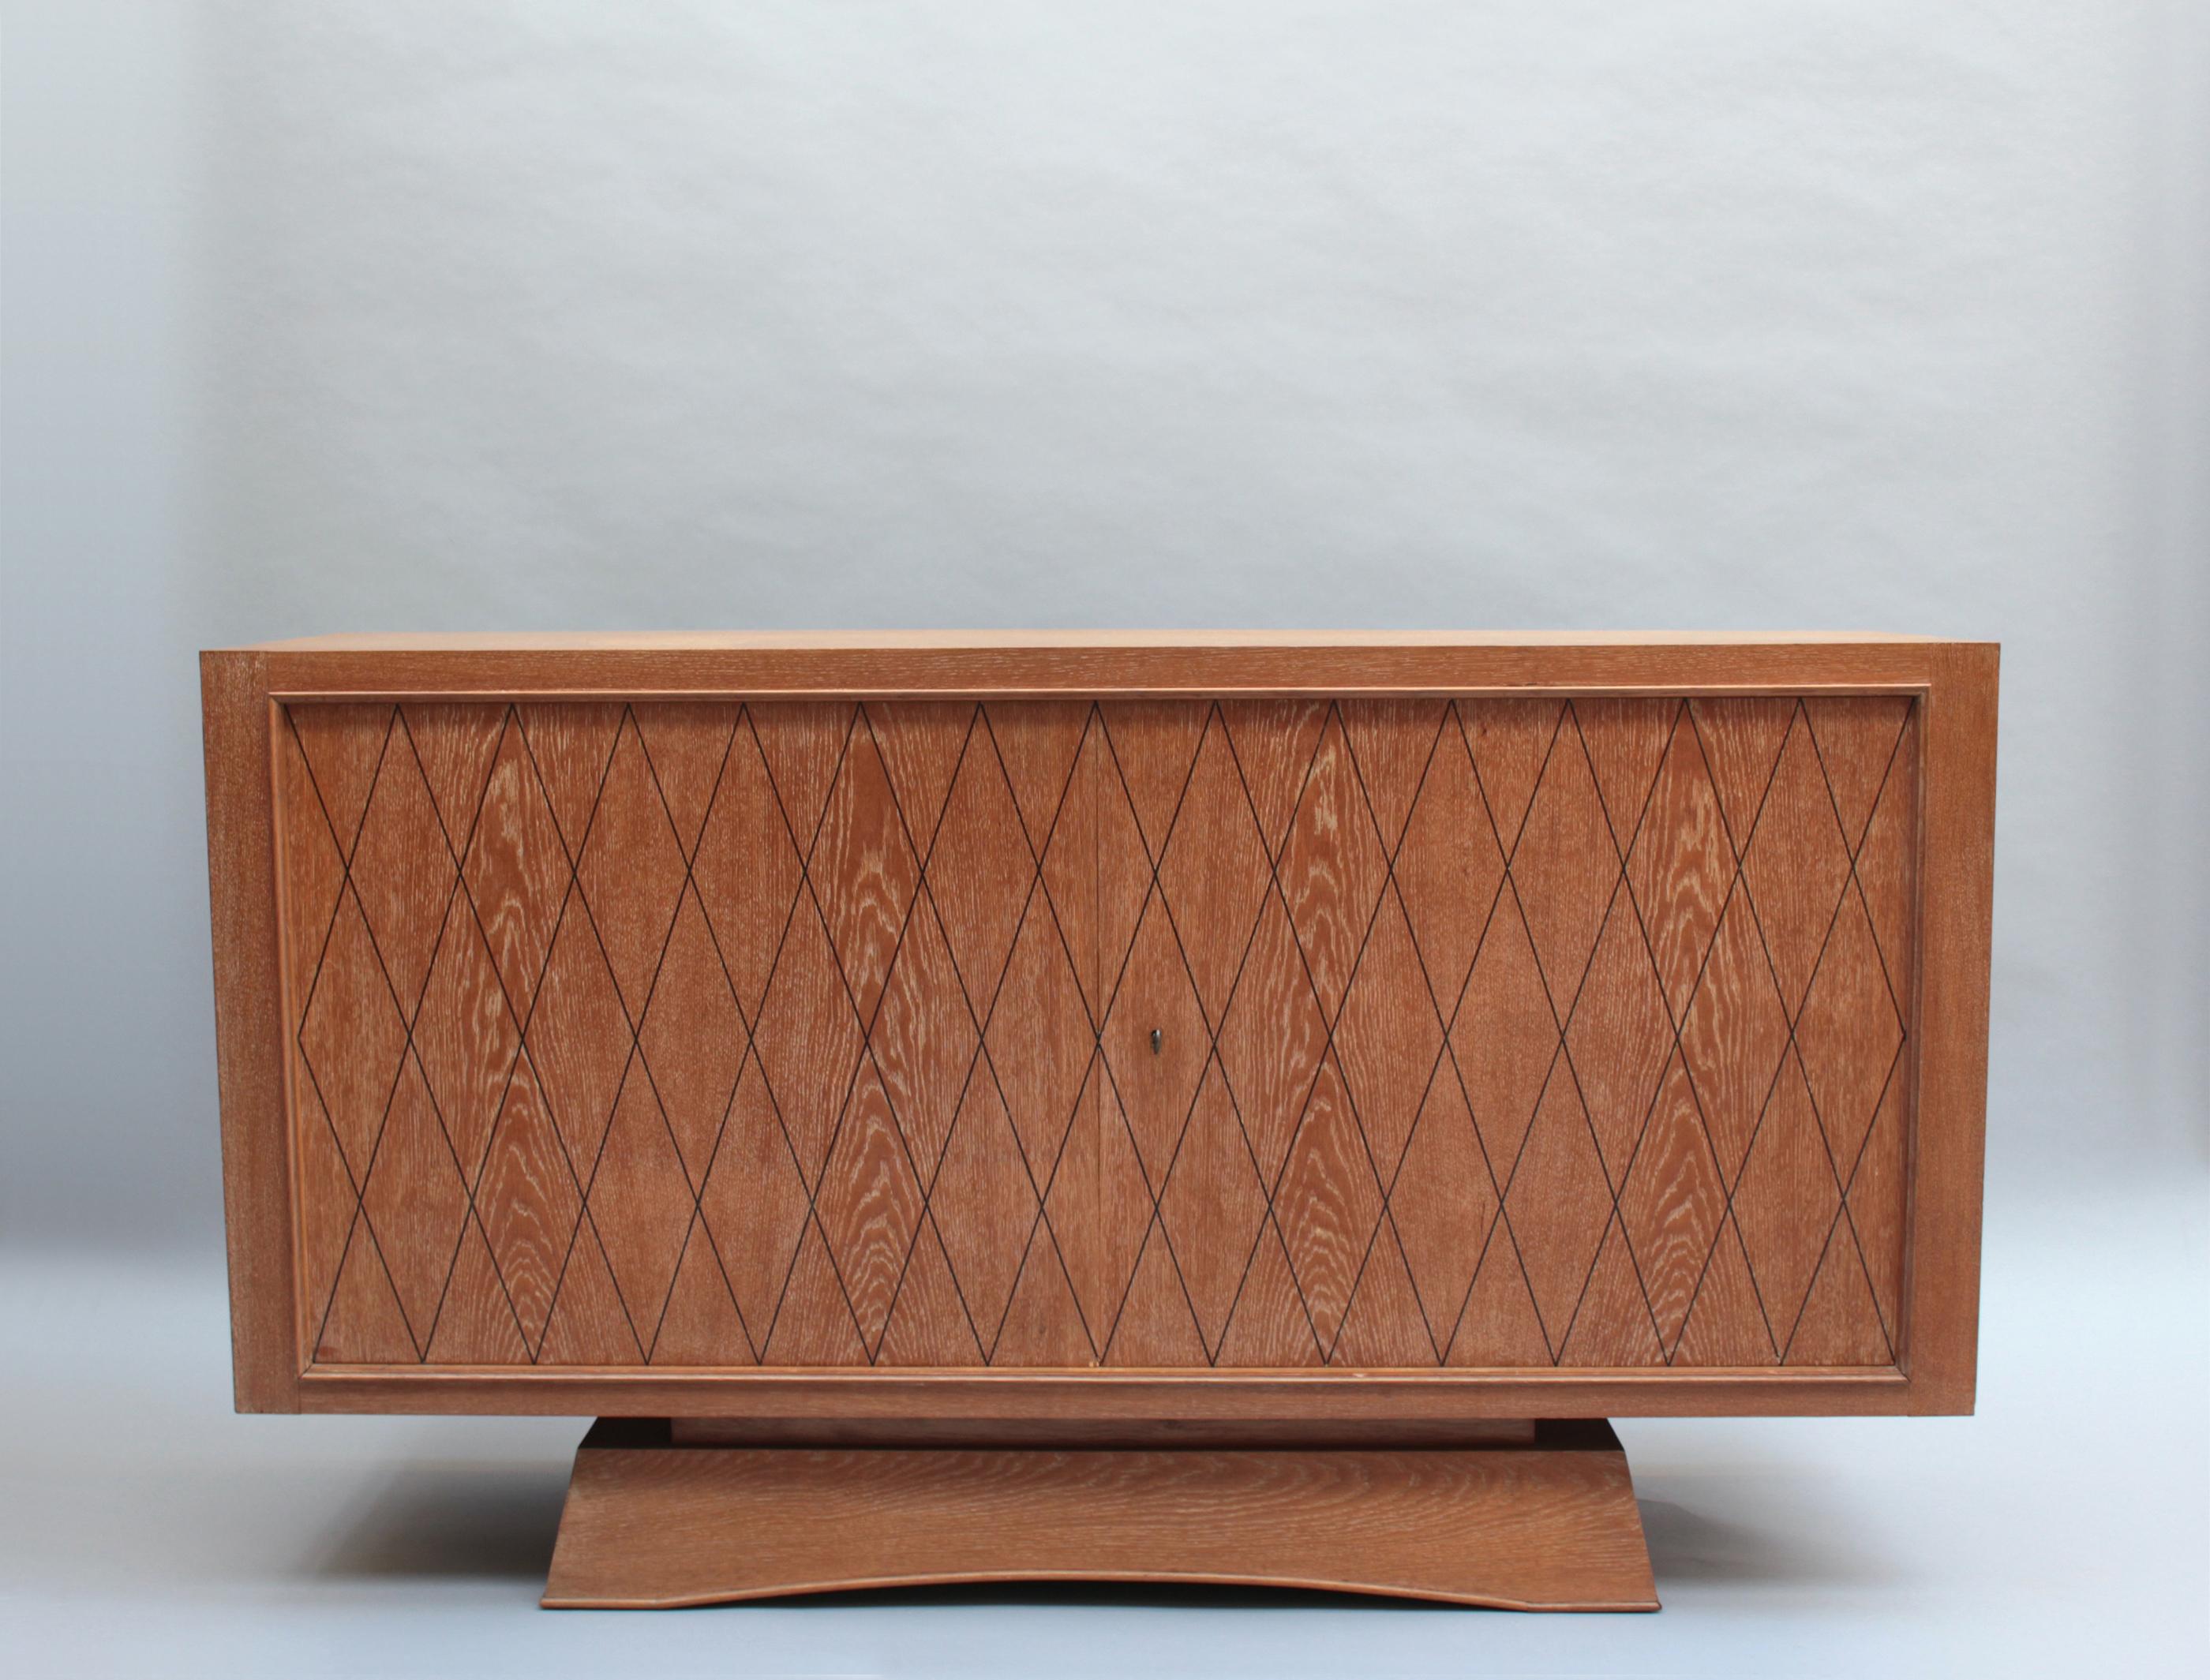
(1161, 664)
(962, 641)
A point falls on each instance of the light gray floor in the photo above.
(2066, 1529)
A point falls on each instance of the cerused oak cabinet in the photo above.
(1025, 1105)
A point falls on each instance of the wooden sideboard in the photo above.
(1087, 1072)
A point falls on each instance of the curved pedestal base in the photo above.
(1550, 1523)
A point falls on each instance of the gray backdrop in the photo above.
(366, 315)
(435, 315)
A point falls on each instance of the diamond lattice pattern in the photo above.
(1383, 1034)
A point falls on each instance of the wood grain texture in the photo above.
(691, 1041)
(403, 870)
(1797, 865)
(1155, 748)
(701, 1325)
(979, 871)
(1328, 1203)
(1454, 903)
(1682, 866)
(1212, 1208)
(685, 747)
(1274, 744)
(1331, 870)
(1271, 1042)
(802, 746)
(1214, 874)
(1389, 1036)
(1619, 1037)
(869, 1204)
(255, 1005)
(1038, 761)
(1672, 1203)
(351, 1036)
(590, 1324)
(1154, 1084)
(755, 1207)
(805, 666)
(922, 746)
(1039, 1044)
(578, 1036)
(747, 870)
(1097, 871)
(466, 1035)
(455, 745)
(642, 1206)
(631, 871)
(516, 868)
(1392, 743)
(985, 1204)
(924, 1040)
(864, 871)
(1626, 741)
(1443, 1204)
(1449, 867)
(1101, 1209)
(1940, 1329)
(928, 1324)
(1155, 1080)
(808, 1040)
(1550, 1524)
(1565, 866)
(1385, 1326)
(1509, 744)
(1157, 1325)
(530, 1202)
(415, 1203)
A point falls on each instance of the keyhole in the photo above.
(1157, 1038)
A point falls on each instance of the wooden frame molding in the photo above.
(1952, 686)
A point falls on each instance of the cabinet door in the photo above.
(1254, 1033)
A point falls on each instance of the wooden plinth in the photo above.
(1547, 1522)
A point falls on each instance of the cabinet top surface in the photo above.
(663, 640)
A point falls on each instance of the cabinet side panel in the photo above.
(1955, 919)
(249, 1032)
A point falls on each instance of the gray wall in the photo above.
(388, 316)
